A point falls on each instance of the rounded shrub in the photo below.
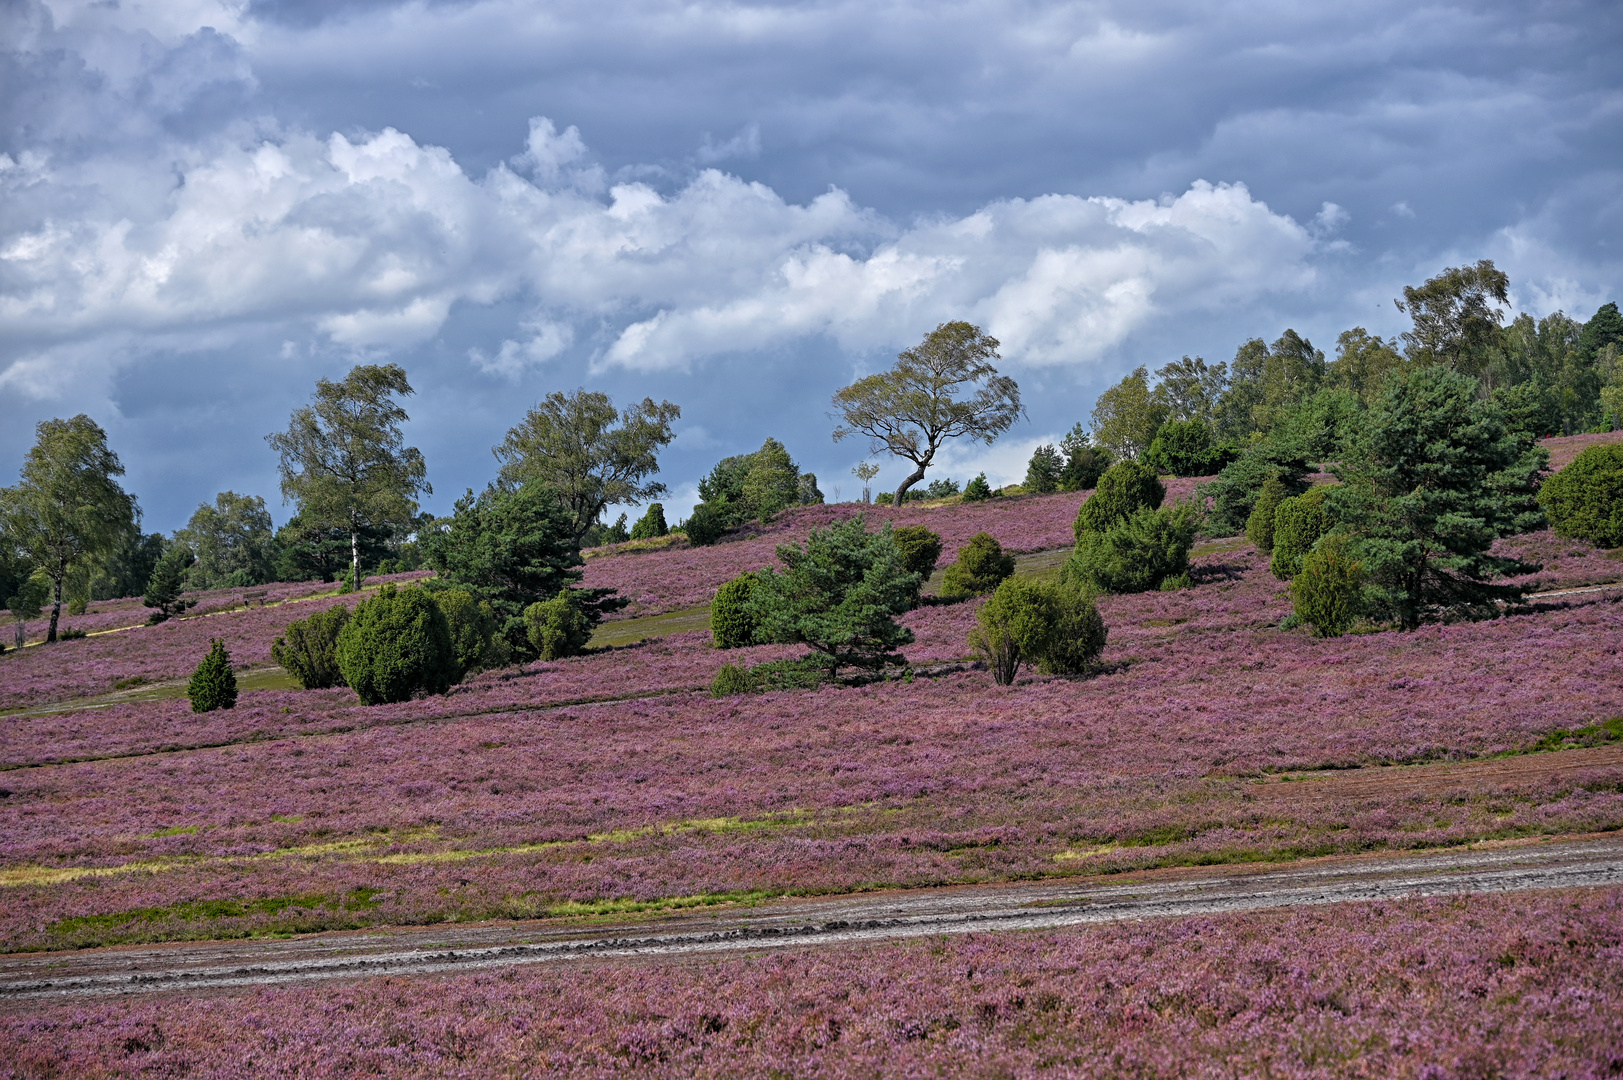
(1125, 488)
(214, 684)
(920, 549)
(732, 622)
(705, 525)
(1328, 592)
(397, 644)
(981, 567)
(473, 631)
(308, 649)
(1149, 550)
(1079, 632)
(1585, 499)
(731, 679)
(1259, 527)
(1015, 624)
(1299, 521)
(651, 524)
(558, 627)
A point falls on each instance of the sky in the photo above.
(207, 205)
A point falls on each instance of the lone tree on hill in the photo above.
(913, 408)
(344, 460)
(570, 444)
(67, 511)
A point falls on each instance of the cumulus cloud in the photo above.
(372, 241)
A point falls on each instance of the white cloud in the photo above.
(373, 240)
(513, 358)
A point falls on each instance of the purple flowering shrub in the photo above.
(1519, 986)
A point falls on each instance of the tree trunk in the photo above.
(56, 612)
(355, 557)
(917, 475)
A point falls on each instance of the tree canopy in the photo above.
(1432, 481)
(344, 458)
(570, 444)
(1456, 316)
(232, 542)
(68, 510)
(913, 408)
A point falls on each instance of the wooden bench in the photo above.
(251, 595)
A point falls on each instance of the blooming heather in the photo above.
(1518, 986)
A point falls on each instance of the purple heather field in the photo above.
(615, 779)
(510, 796)
(1515, 987)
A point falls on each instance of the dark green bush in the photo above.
(839, 595)
(731, 679)
(1079, 632)
(651, 524)
(1259, 527)
(1187, 448)
(1124, 489)
(397, 644)
(732, 622)
(1016, 624)
(214, 684)
(1328, 592)
(1585, 499)
(705, 525)
(943, 488)
(473, 631)
(559, 627)
(1149, 550)
(71, 635)
(802, 673)
(977, 490)
(308, 649)
(981, 567)
(1299, 521)
(920, 549)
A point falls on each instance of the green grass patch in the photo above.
(1598, 734)
(195, 919)
(631, 631)
(590, 908)
(176, 830)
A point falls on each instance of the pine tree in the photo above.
(839, 596)
(214, 683)
(1434, 479)
(167, 583)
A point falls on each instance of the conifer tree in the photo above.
(214, 683)
(1433, 480)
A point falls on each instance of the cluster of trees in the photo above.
(1550, 376)
(749, 487)
(840, 594)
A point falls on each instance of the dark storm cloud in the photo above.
(204, 205)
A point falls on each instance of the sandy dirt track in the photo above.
(819, 921)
